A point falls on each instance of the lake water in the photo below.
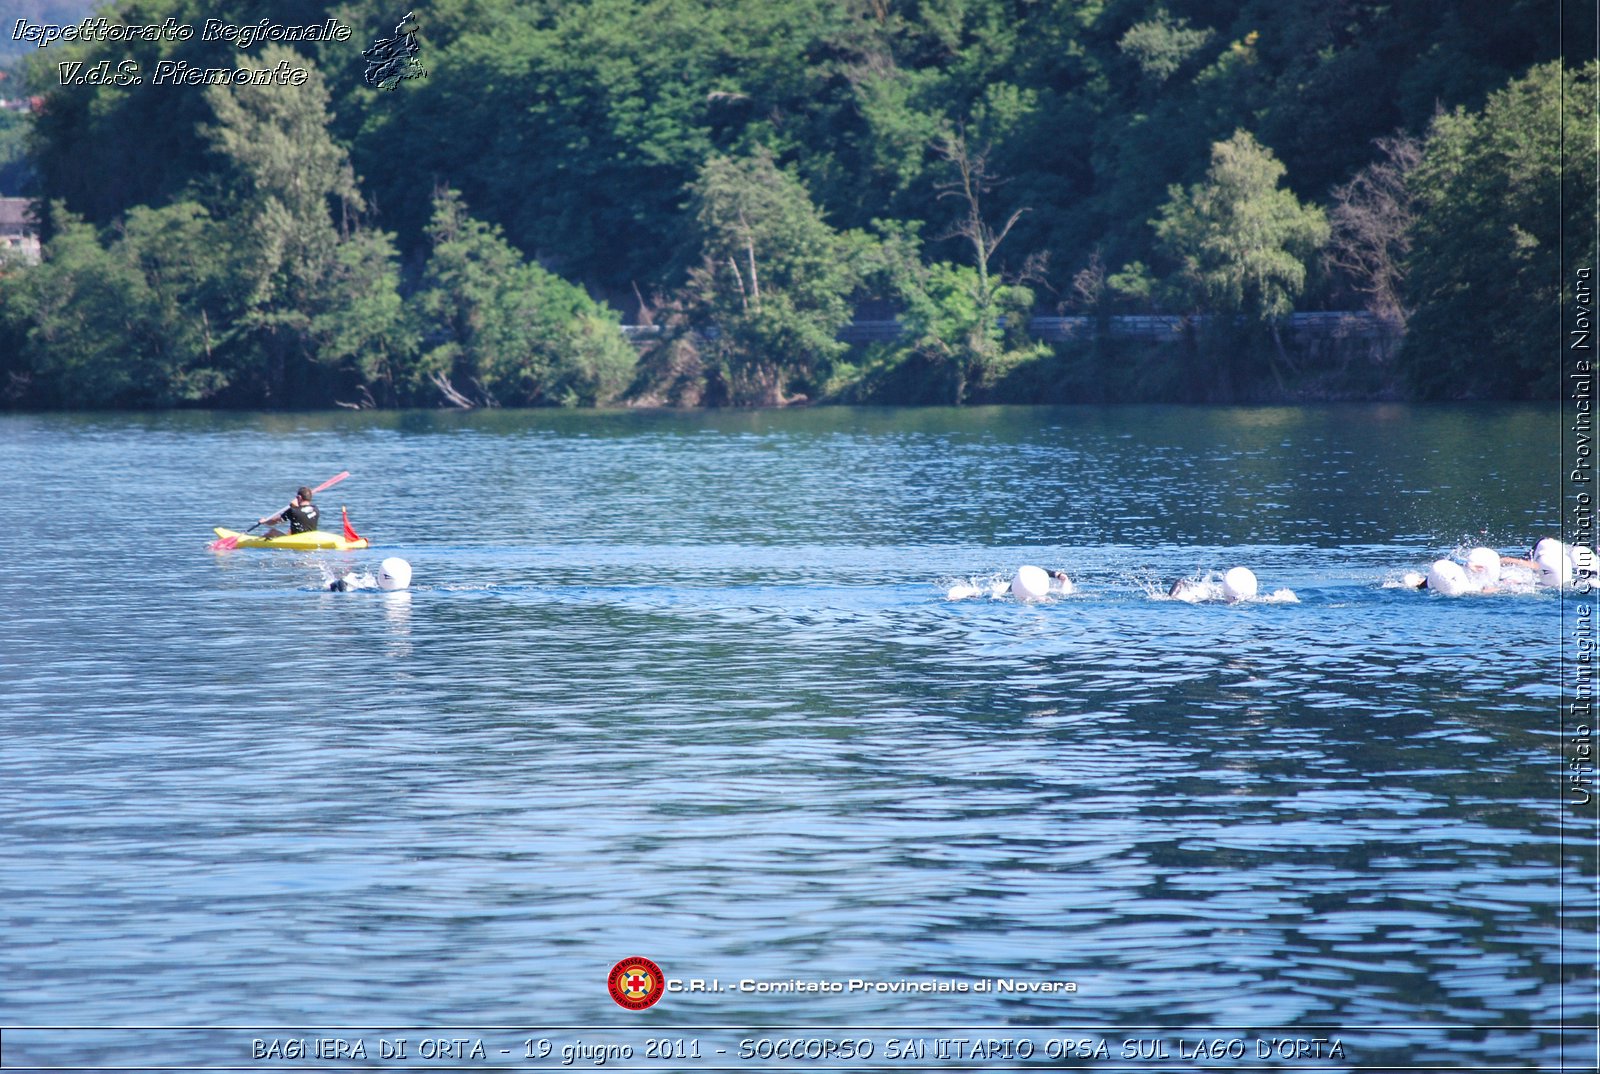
(688, 687)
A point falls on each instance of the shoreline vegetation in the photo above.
(688, 204)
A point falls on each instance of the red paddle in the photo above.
(332, 481)
(228, 544)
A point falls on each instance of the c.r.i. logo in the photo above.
(636, 983)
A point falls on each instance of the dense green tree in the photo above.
(85, 311)
(359, 324)
(772, 277)
(1241, 244)
(958, 323)
(149, 135)
(1484, 266)
(16, 175)
(294, 202)
(133, 323)
(1162, 45)
(496, 330)
(192, 277)
(1241, 241)
(577, 128)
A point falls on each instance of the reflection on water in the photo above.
(397, 610)
(688, 686)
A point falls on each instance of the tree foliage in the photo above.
(293, 198)
(497, 330)
(138, 321)
(610, 143)
(1483, 270)
(1241, 241)
(1162, 45)
(772, 277)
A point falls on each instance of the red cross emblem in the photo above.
(636, 983)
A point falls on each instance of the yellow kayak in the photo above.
(314, 540)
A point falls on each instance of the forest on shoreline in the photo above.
(748, 178)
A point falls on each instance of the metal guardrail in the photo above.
(1163, 328)
(1156, 327)
(1342, 324)
(869, 331)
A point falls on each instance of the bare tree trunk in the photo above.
(1371, 218)
(755, 283)
(448, 390)
(1277, 374)
(971, 183)
(744, 296)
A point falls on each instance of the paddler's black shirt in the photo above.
(301, 519)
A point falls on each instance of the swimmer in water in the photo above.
(1238, 584)
(351, 580)
(394, 574)
(1027, 584)
(1448, 577)
(1480, 574)
(1483, 570)
(1554, 563)
(1035, 583)
(1541, 550)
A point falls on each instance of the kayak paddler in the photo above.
(301, 514)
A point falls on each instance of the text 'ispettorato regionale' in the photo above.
(99, 28)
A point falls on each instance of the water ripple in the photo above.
(689, 686)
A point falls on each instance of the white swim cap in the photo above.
(1239, 584)
(1446, 576)
(394, 573)
(1555, 565)
(1031, 583)
(1483, 566)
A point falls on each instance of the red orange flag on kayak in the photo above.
(344, 516)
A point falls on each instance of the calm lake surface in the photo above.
(688, 687)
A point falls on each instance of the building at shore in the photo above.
(18, 236)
